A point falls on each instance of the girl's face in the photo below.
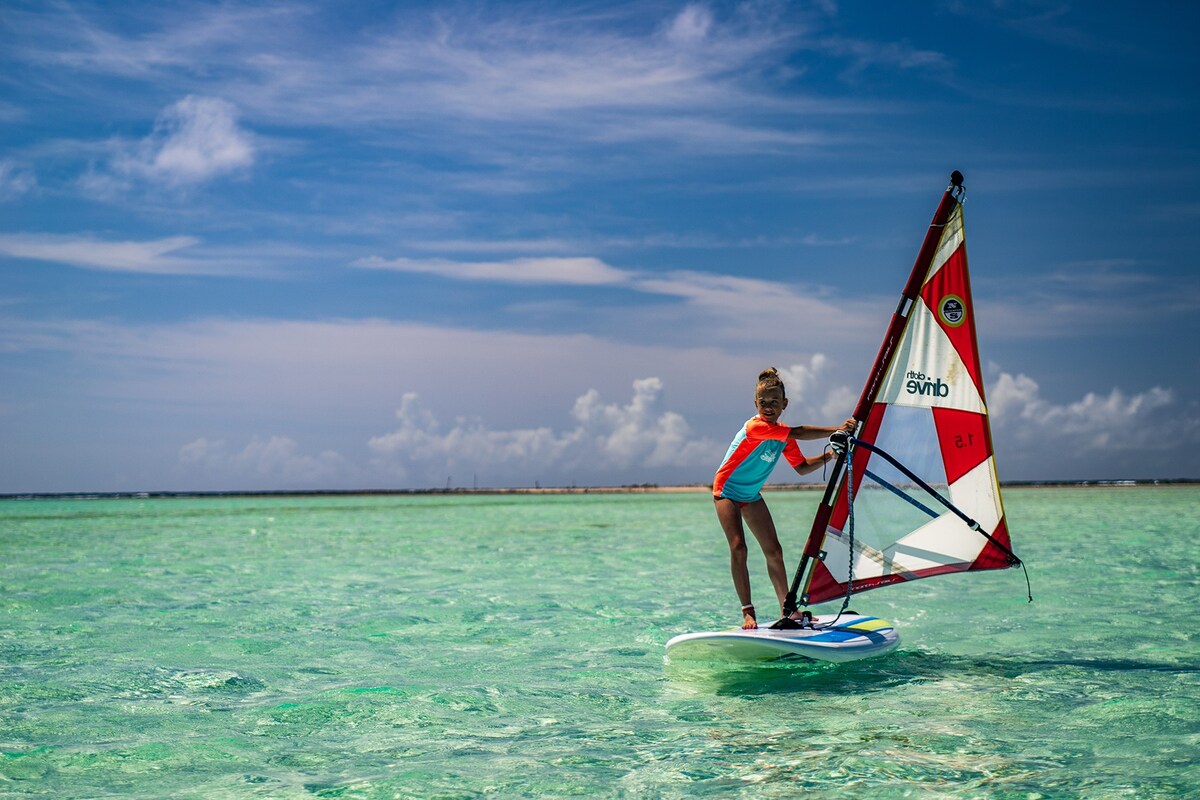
(770, 403)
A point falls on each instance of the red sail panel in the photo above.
(948, 296)
(824, 586)
(992, 556)
(963, 439)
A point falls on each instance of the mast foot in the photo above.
(788, 624)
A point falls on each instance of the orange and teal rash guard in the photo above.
(751, 457)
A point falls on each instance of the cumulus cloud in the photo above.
(194, 140)
(607, 439)
(1112, 423)
(812, 400)
(802, 379)
(274, 461)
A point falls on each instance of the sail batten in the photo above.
(923, 422)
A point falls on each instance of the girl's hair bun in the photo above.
(769, 378)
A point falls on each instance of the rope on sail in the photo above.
(850, 441)
(896, 490)
(972, 524)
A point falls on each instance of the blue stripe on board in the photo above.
(835, 635)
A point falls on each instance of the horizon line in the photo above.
(643, 488)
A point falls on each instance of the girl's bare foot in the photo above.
(748, 620)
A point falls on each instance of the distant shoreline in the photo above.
(645, 488)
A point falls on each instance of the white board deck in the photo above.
(852, 637)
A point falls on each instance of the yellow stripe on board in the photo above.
(869, 625)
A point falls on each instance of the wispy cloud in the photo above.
(718, 304)
(162, 41)
(865, 54)
(15, 179)
(699, 75)
(1085, 298)
(170, 255)
(1054, 21)
(569, 271)
(493, 245)
(156, 257)
(728, 302)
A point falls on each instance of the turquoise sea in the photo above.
(463, 646)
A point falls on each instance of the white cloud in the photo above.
(194, 140)
(581, 271)
(522, 65)
(494, 245)
(812, 399)
(838, 405)
(801, 380)
(691, 25)
(697, 77)
(299, 373)
(1085, 300)
(273, 461)
(864, 54)
(608, 439)
(157, 256)
(16, 179)
(713, 305)
(741, 309)
(1112, 423)
(510, 408)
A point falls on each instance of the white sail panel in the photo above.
(928, 371)
(977, 494)
(944, 541)
(952, 239)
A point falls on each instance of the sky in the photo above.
(306, 245)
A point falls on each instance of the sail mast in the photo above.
(911, 290)
(883, 359)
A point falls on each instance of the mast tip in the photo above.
(956, 178)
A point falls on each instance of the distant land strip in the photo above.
(637, 488)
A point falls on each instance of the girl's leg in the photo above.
(730, 518)
(758, 517)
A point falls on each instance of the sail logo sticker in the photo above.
(925, 385)
(952, 310)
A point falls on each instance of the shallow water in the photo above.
(512, 646)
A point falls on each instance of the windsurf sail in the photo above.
(916, 493)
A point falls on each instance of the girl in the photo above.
(747, 465)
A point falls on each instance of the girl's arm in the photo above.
(813, 463)
(809, 432)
